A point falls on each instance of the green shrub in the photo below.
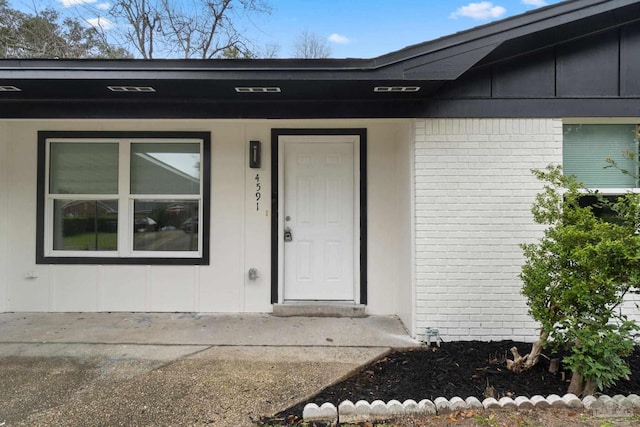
(576, 276)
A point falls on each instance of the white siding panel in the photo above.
(172, 288)
(35, 293)
(29, 294)
(405, 273)
(256, 295)
(240, 235)
(75, 288)
(390, 153)
(4, 218)
(123, 288)
(221, 283)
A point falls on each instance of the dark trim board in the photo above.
(206, 198)
(275, 134)
(197, 109)
(532, 108)
(436, 108)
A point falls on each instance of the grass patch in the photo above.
(87, 242)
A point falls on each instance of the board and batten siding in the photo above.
(473, 195)
(4, 215)
(240, 230)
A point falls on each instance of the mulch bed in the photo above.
(461, 369)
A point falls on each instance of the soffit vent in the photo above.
(396, 89)
(273, 89)
(131, 89)
(10, 89)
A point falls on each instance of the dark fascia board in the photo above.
(310, 109)
(449, 57)
(509, 28)
(282, 64)
(445, 58)
(150, 70)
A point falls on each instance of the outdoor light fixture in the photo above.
(10, 89)
(131, 89)
(244, 89)
(388, 89)
(255, 148)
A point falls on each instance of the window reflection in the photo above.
(85, 225)
(165, 168)
(165, 225)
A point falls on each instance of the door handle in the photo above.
(288, 235)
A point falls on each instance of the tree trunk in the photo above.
(528, 361)
(581, 387)
(534, 355)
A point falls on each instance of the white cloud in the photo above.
(71, 3)
(482, 10)
(536, 3)
(104, 6)
(340, 39)
(100, 22)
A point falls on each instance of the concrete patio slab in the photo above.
(200, 329)
(85, 369)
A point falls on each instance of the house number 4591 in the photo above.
(258, 189)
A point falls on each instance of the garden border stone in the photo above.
(378, 410)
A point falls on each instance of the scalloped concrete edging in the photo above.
(616, 406)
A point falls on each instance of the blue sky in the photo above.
(353, 28)
(368, 28)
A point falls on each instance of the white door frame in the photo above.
(355, 139)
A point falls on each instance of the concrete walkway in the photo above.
(176, 369)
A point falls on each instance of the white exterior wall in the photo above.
(473, 195)
(240, 235)
(4, 222)
(405, 226)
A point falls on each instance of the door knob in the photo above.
(288, 236)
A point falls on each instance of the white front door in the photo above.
(318, 226)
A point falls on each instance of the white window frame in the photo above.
(126, 216)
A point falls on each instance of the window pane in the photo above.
(85, 225)
(169, 168)
(600, 210)
(83, 168)
(586, 147)
(165, 225)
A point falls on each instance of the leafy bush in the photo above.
(577, 275)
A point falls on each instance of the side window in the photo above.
(585, 150)
(123, 198)
(586, 147)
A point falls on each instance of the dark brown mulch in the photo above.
(461, 369)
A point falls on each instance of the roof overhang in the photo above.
(394, 85)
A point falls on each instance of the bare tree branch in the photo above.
(189, 29)
(311, 46)
(44, 35)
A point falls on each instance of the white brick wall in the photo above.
(474, 191)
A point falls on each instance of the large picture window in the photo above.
(115, 197)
